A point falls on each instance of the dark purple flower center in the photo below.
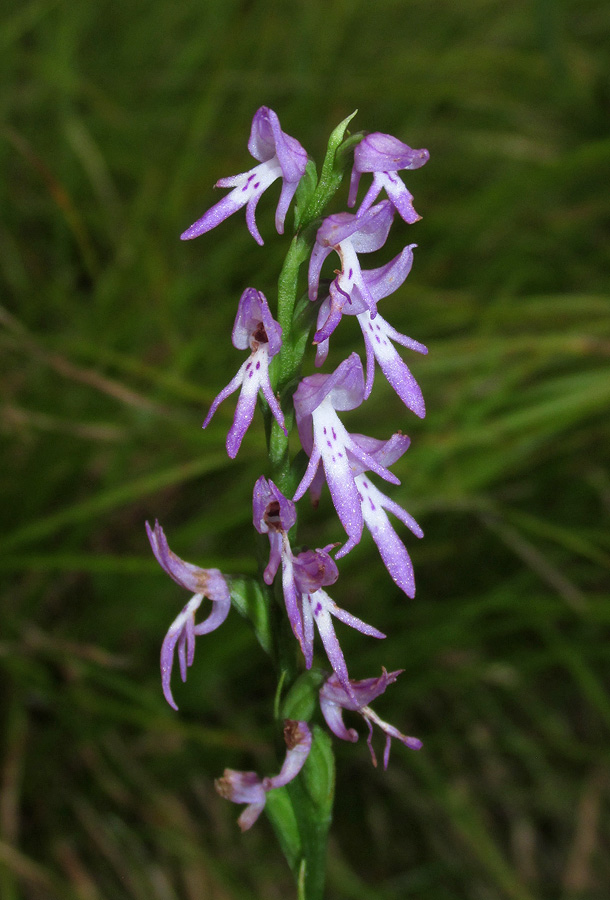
(272, 517)
(259, 334)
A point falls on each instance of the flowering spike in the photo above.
(334, 698)
(255, 328)
(384, 156)
(183, 630)
(279, 156)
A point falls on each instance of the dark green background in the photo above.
(117, 119)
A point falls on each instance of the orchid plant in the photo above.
(289, 602)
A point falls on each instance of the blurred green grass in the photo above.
(116, 122)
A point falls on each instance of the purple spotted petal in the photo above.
(384, 156)
(378, 336)
(320, 608)
(392, 550)
(326, 440)
(254, 328)
(248, 188)
(379, 283)
(348, 235)
(280, 156)
(345, 387)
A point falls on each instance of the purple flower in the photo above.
(280, 156)
(334, 699)
(274, 515)
(384, 156)
(247, 787)
(303, 577)
(325, 439)
(254, 328)
(348, 235)
(182, 632)
(377, 333)
(314, 569)
(373, 505)
(378, 336)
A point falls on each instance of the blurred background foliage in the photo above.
(117, 119)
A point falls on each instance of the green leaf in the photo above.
(252, 601)
(312, 794)
(302, 698)
(344, 151)
(281, 815)
(331, 176)
(319, 774)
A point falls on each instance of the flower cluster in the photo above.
(344, 460)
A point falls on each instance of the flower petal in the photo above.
(176, 634)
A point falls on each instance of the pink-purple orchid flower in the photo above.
(348, 235)
(314, 570)
(182, 632)
(334, 699)
(303, 578)
(378, 334)
(373, 504)
(254, 329)
(325, 439)
(250, 788)
(385, 156)
(274, 514)
(279, 156)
